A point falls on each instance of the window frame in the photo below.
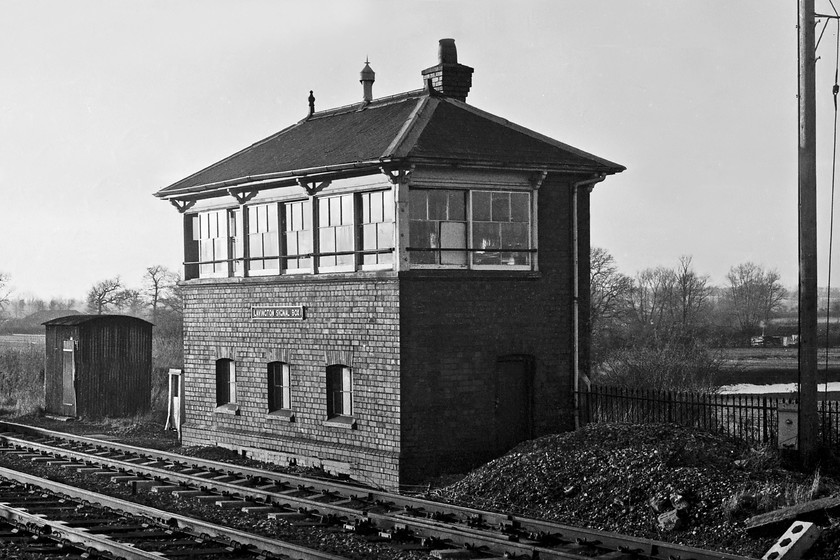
(218, 243)
(226, 386)
(343, 376)
(385, 254)
(285, 388)
(323, 207)
(271, 217)
(307, 215)
(473, 251)
(470, 231)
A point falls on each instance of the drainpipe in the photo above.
(589, 183)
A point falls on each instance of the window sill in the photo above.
(462, 273)
(229, 408)
(282, 415)
(294, 277)
(346, 422)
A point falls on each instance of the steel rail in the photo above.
(400, 510)
(353, 516)
(60, 531)
(197, 526)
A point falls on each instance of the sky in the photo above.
(105, 102)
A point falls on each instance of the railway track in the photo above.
(57, 520)
(375, 514)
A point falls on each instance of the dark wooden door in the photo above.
(68, 378)
(513, 401)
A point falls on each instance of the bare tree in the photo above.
(158, 281)
(5, 292)
(609, 296)
(172, 300)
(692, 294)
(105, 294)
(654, 298)
(610, 290)
(754, 295)
(132, 302)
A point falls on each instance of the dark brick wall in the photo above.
(347, 318)
(456, 324)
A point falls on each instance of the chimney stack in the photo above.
(368, 76)
(448, 77)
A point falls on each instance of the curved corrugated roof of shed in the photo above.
(72, 320)
(413, 125)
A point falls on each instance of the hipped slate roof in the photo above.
(409, 128)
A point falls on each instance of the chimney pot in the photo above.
(447, 52)
(448, 77)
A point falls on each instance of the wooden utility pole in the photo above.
(807, 235)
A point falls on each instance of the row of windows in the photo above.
(354, 230)
(339, 233)
(339, 384)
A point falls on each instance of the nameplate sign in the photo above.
(277, 312)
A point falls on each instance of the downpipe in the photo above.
(590, 184)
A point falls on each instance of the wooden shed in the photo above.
(98, 365)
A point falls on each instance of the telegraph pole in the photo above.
(807, 235)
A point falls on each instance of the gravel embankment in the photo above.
(622, 477)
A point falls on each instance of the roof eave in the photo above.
(551, 167)
(275, 180)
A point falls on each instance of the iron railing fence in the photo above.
(751, 418)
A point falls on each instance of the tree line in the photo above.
(680, 301)
(660, 327)
(158, 299)
(159, 295)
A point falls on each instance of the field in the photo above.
(775, 370)
(21, 341)
(775, 365)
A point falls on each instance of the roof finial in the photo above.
(368, 76)
(311, 103)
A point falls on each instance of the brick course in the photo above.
(355, 317)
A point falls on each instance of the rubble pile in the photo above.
(662, 482)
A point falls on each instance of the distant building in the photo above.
(390, 289)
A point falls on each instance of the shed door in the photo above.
(513, 401)
(68, 377)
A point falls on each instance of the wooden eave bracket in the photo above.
(395, 177)
(243, 196)
(537, 179)
(182, 205)
(312, 187)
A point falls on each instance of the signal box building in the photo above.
(98, 365)
(390, 289)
